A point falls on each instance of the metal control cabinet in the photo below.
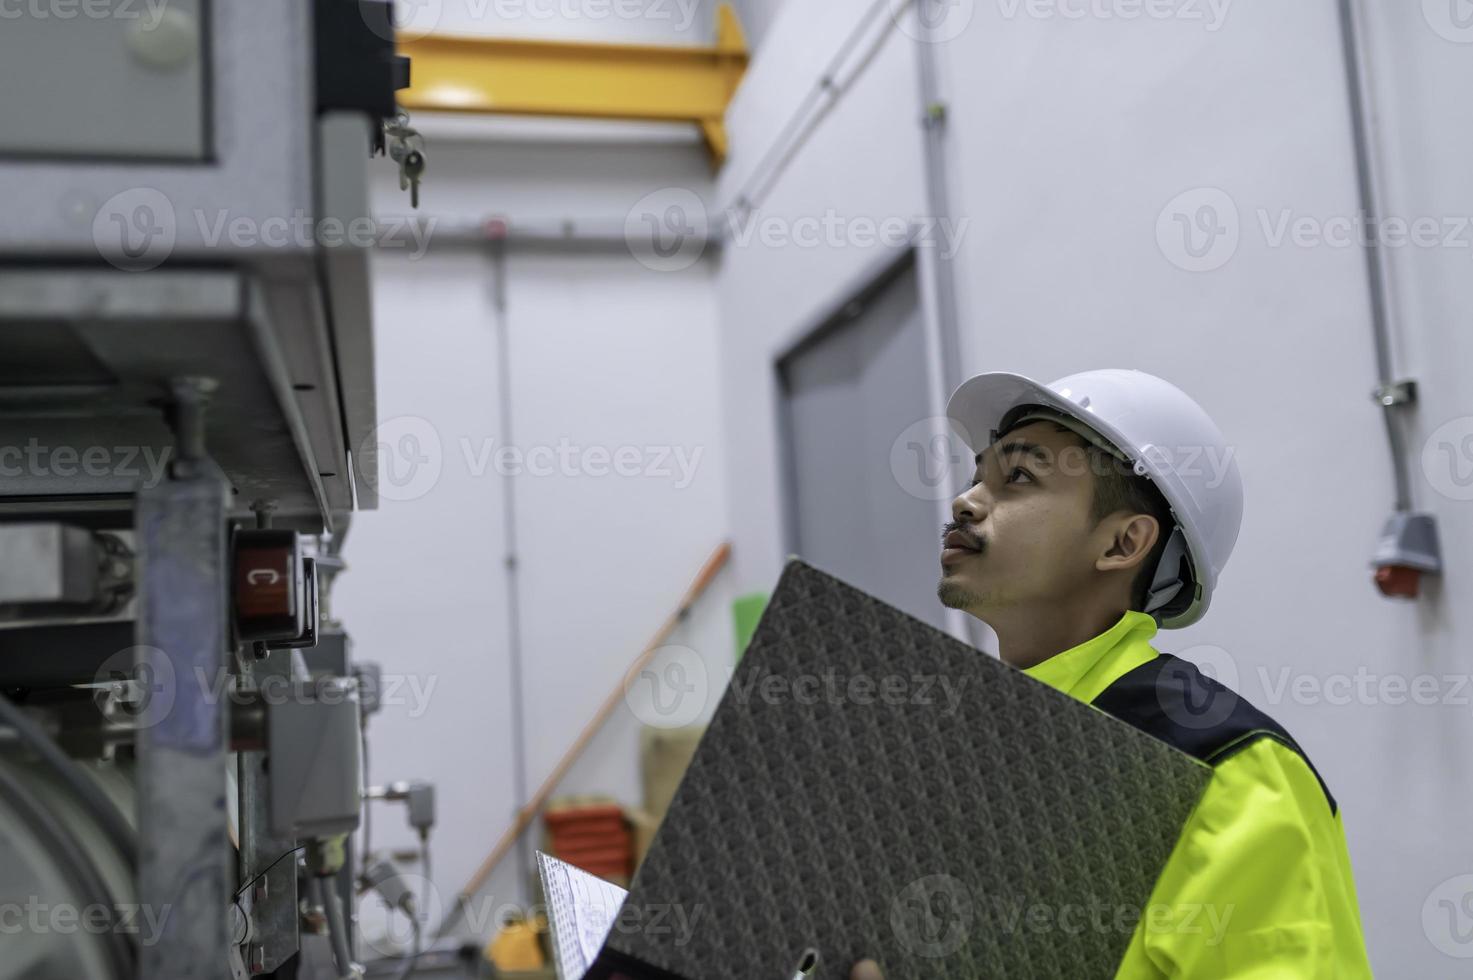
(260, 194)
(186, 350)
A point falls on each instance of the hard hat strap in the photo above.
(1170, 578)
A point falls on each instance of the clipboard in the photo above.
(581, 909)
(872, 787)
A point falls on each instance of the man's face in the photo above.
(1021, 534)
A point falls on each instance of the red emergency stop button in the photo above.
(268, 592)
(1398, 580)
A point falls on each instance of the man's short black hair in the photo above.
(1116, 488)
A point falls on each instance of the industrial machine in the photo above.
(187, 422)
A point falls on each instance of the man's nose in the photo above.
(970, 506)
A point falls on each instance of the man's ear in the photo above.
(1132, 536)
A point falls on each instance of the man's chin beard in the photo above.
(955, 596)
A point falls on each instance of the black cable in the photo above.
(242, 889)
(108, 816)
(246, 887)
(63, 847)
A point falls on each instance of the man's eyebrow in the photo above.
(1018, 446)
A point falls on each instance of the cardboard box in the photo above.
(664, 755)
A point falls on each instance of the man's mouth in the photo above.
(959, 545)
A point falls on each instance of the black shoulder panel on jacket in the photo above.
(1171, 699)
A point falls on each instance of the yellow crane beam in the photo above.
(512, 76)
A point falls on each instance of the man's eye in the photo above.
(1019, 469)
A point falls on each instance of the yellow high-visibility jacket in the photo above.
(1259, 886)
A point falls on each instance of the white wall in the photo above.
(863, 162)
(1070, 140)
(757, 17)
(1420, 756)
(602, 357)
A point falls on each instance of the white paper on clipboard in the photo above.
(580, 911)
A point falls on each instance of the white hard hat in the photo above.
(1166, 435)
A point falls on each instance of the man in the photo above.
(1103, 506)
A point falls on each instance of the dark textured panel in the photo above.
(1004, 830)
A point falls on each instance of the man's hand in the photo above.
(866, 970)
